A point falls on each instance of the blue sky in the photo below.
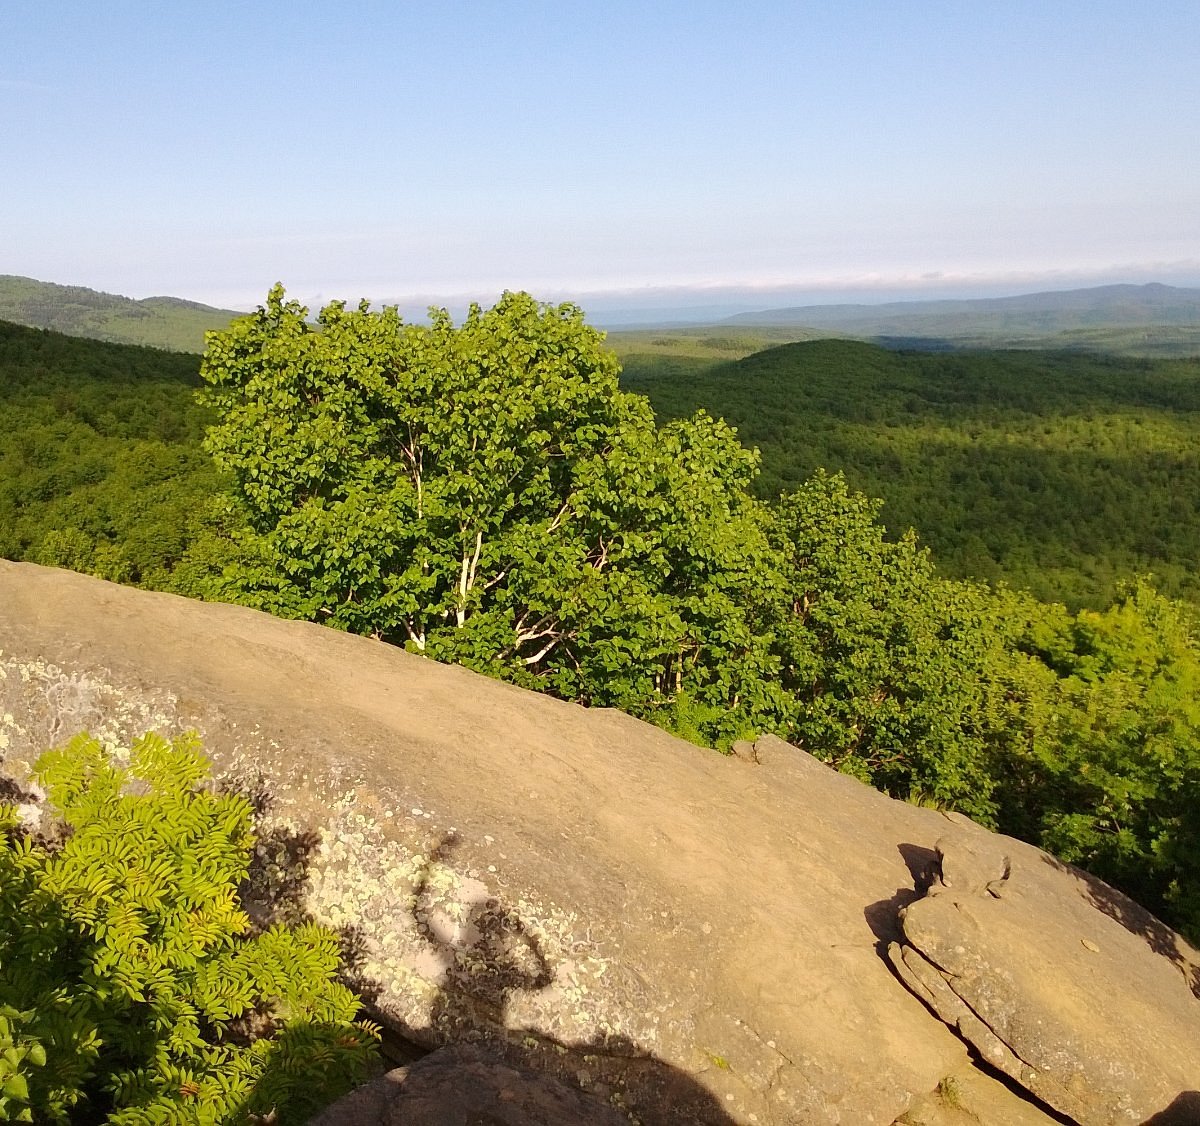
(672, 152)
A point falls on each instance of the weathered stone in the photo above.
(924, 979)
(467, 1086)
(744, 749)
(1055, 979)
(967, 1097)
(680, 934)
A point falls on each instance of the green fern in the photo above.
(128, 967)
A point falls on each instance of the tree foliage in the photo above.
(884, 662)
(131, 987)
(1110, 772)
(484, 494)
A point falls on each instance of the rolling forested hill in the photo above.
(101, 468)
(1057, 472)
(159, 322)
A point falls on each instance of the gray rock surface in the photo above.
(1065, 993)
(686, 936)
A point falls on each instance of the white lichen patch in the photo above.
(43, 705)
(439, 947)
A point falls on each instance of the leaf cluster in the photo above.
(132, 989)
(1107, 773)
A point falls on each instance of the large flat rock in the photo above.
(688, 936)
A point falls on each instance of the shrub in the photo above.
(132, 989)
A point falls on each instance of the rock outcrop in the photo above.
(684, 936)
(1055, 990)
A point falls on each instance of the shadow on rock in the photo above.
(1183, 1111)
(275, 890)
(1137, 920)
(13, 792)
(883, 916)
(481, 955)
(488, 954)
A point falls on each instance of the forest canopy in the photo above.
(491, 494)
(1056, 472)
(101, 468)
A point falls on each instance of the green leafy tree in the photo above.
(483, 494)
(890, 669)
(131, 987)
(1111, 772)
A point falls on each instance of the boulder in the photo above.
(467, 1086)
(686, 936)
(1085, 999)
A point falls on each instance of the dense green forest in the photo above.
(1056, 472)
(493, 494)
(101, 468)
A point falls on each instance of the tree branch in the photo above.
(559, 516)
(416, 636)
(527, 661)
(466, 578)
(543, 627)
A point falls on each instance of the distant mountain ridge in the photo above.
(158, 322)
(1152, 319)
(1054, 317)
